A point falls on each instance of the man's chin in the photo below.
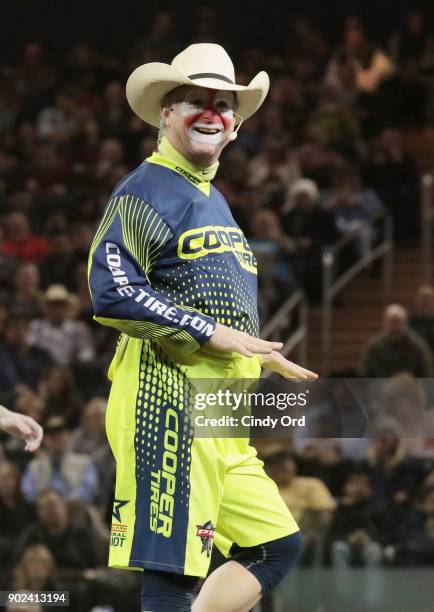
(202, 150)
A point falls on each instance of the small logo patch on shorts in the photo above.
(117, 505)
(206, 534)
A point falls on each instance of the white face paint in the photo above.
(208, 134)
(209, 115)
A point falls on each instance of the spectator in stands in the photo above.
(90, 437)
(20, 242)
(57, 122)
(404, 401)
(354, 529)
(84, 310)
(27, 298)
(61, 259)
(25, 363)
(66, 340)
(415, 546)
(59, 468)
(421, 319)
(30, 403)
(274, 251)
(232, 184)
(309, 229)
(335, 123)
(306, 40)
(391, 172)
(105, 466)
(36, 571)
(396, 349)
(354, 208)
(160, 42)
(114, 117)
(413, 46)
(61, 395)
(111, 156)
(394, 474)
(33, 78)
(8, 265)
(368, 63)
(308, 499)
(71, 541)
(277, 160)
(15, 511)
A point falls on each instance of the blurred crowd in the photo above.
(325, 157)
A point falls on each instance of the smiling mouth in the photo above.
(203, 130)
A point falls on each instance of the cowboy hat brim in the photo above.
(150, 83)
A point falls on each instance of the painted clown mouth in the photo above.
(202, 133)
(207, 130)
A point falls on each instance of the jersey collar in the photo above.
(168, 156)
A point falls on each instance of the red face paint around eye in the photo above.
(209, 114)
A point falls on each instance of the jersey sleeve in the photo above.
(127, 244)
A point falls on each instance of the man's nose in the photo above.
(209, 114)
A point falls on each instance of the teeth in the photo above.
(207, 131)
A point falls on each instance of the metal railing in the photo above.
(426, 227)
(290, 322)
(332, 285)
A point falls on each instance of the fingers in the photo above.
(252, 345)
(302, 374)
(34, 438)
(226, 339)
(311, 375)
(23, 427)
(242, 350)
(264, 347)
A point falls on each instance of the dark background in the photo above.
(114, 26)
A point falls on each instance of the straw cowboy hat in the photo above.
(200, 65)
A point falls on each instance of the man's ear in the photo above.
(165, 115)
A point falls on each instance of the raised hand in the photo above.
(21, 426)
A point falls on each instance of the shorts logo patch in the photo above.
(117, 505)
(118, 531)
(206, 533)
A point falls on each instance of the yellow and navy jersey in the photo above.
(168, 259)
(167, 262)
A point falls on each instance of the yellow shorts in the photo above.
(177, 494)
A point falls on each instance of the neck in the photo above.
(199, 160)
(199, 175)
(200, 164)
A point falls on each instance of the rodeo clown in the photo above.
(171, 270)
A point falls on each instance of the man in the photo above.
(15, 511)
(26, 363)
(309, 500)
(21, 426)
(356, 525)
(59, 468)
(311, 229)
(396, 349)
(66, 340)
(73, 545)
(172, 271)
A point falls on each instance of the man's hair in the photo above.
(280, 457)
